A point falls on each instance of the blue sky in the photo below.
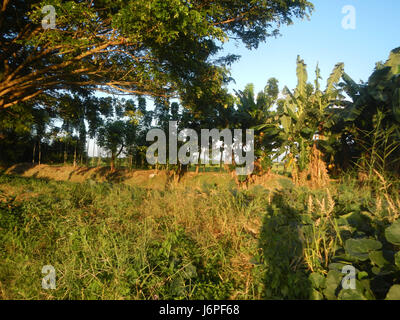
(322, 39)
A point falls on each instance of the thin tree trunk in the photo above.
(40, 152)
(87, 153)
(81, 158)
(34, 153)
(65, 154)
(92, 160)
(75, 157)
(220, 161)
(112, 164)
(98, 157)
(61, 152)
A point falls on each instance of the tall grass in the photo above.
(118, 242)
(200, 239)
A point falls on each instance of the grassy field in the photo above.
(200, 239)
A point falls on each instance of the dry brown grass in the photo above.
(155, 179)
(316, 176)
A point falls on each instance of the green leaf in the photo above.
(397, 259)
(366, 285)
(333, 281)
(377, 258)
(337, 266)
(392, 233)
(351, 88)
(317, 280)
(334, 78)
(394, 61)
(376, 271)
(355, 219)
(316, 295)
(351, 295)
(301, 77)
(360, 248)
(394, 293)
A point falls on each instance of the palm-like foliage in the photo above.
(302, 116)
(255, 112)
(374, 109)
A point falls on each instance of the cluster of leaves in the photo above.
(347, 121)
(308, 244)
(158, 48)
(369, 123)
(303, 115)
(187, 272)
(377, 262)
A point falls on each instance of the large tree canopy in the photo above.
(160, 48)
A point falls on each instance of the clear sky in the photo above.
(322, 39)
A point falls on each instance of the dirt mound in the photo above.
(144, 178)
(81, 174)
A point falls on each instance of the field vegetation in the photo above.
(201, 238)
(77, 192)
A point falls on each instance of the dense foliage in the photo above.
(272, 238)
(158, 48)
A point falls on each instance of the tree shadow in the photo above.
(79, 171)
(286, 275)
(20, 168)
(116, 176)
(82, 171)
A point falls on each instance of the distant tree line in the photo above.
(352, 125)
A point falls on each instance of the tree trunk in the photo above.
(34, 153)
(75, 157)
(40, 152)
(92, 159)
(130, 162)
(65, 154)
(112, 164)
(98, 156)
(220, 159)
(87, 153)
(61, 153)
(81, 159)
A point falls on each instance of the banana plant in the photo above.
(381, 91)
(358, 117)
(303, 116)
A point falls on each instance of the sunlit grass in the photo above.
(202, 238)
